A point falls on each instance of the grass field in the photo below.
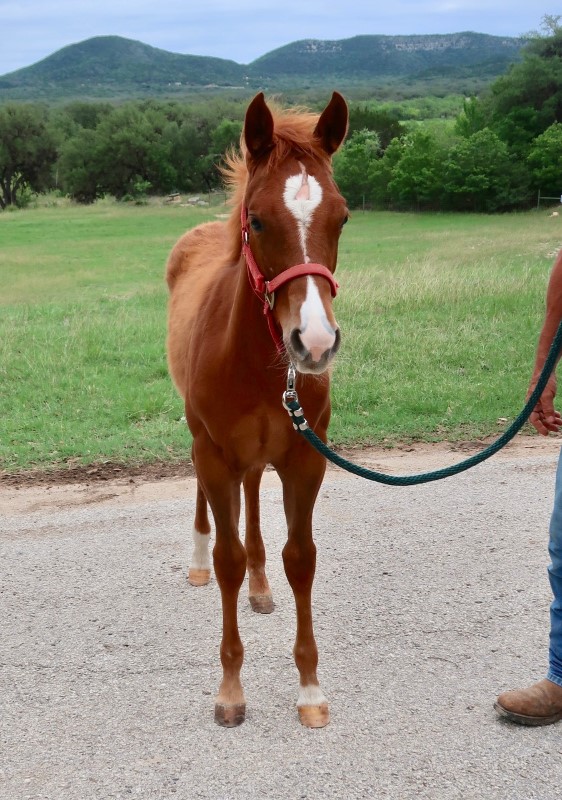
(439, 318)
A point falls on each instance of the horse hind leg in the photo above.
(200, 568)
(259, 591)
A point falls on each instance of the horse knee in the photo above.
(232, 654)
(299, 560)
(229, 561)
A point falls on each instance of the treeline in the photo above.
(502, 148)
(89, 150)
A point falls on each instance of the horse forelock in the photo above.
(293, 135)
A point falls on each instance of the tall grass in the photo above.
(439, 318)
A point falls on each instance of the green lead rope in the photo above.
(291, 403)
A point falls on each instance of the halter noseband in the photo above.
(265, 290)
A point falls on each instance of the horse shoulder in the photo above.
(192, 270)
(195, 250)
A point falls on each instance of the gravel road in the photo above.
(428, 601)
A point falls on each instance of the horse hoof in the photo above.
(262, 603)
(314, 716)
(198, 577)
(230, 716)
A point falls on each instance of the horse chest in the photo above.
(246, 434)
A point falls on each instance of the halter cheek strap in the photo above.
(265, 290)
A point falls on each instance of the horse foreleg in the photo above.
(200, 568)
(222, 490)
(259, 592)
(301, 482)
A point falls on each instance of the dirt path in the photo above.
(110, 483)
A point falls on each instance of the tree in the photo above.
(385, 124)
(545, 160)
(129, 148)
(80, 167)
(353, 167)
(471, 119)
(480, 175)
(226, 136)
(134, 147)
(416, 179)
(382, 172)
(87, 115)
(27, 151)
(528, 99)
(190, 154)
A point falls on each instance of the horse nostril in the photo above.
(337, 342)
(296, 342)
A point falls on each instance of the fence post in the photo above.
(547, 197)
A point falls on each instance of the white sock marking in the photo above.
(200, 558)
(311, 696)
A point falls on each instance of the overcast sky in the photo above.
(243, 30)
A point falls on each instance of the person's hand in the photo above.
(544, 417)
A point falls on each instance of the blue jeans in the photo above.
(555, 576)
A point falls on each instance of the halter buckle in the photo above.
(269, 299)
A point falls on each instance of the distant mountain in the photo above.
(108, 66)
(114, 67)
(364, 57)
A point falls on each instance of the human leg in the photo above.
(555, 577)
(541, 703)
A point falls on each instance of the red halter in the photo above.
(265, 290)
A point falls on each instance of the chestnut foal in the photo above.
(230, 371)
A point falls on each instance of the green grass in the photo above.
(442, 313)
(439, 316)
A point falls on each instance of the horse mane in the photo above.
(293, 131)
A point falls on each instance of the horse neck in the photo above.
(248, 332)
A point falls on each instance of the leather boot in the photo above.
(540, 704)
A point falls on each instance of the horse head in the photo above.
(295, 215)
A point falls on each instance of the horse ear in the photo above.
(332, 125)
(258, 127)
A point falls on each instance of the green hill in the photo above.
(114, 67)
(110, 66)
(365, 56)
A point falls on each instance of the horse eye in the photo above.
(345, 220)
(256, 224)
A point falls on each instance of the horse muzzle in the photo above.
(311, 350)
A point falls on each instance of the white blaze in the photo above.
(302, 195)
(317, 334)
